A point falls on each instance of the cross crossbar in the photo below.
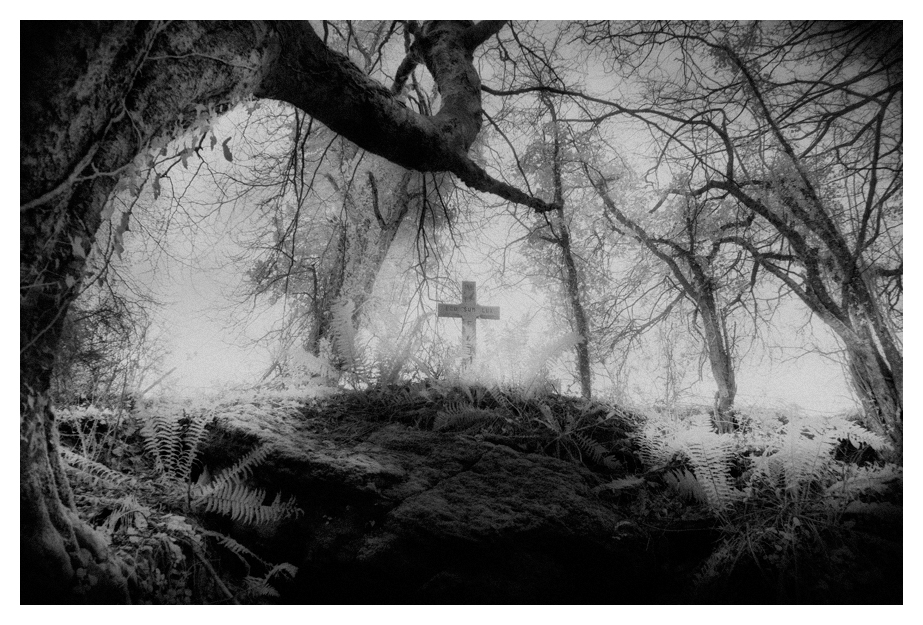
(469, 311)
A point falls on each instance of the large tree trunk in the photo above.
(876, 379)
(881, 399)
(876, 365)
(93, 97)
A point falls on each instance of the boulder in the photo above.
(395, 513)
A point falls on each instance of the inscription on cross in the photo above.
(469, 311)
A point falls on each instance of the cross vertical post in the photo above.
(469, 311)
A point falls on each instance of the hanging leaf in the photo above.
(227, 150)
(156, 186)
(184, 156)
(212, 141)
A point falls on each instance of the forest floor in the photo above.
(790, 511)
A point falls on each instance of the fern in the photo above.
(241, 470)
(193, 437)
(227, 495)
(261, 586)
(131, 510)
(96, 471)
(236, 548)
(596, 452)
(462, 417)
(174, 442)
(709, 454)
(289, 570)
(242, 503)
(801, 452)
(791, 456)
(686, 484)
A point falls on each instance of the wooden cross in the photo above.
(469, 311)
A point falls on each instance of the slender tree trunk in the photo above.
(561, 238)
(722, 364)
(578, 314)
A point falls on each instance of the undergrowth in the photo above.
(590, 433)
(138, 480)
(792, 497)
(797, 501)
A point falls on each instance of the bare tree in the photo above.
(800, 125)
(692, 252)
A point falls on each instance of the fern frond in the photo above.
(242, 503)
(163, 440)
(130, 509)
(193, 436)
(596, 452)
(712, 468)
(236, 548)
(289, 570)
(80, 463)
(461, 417)
(258, 586)
(657, 441)
(710, 454)
(686, 484)
(235, 500)
(261, 586)
(241, 470)
(800, 455)
(174, 442)
(289, 508)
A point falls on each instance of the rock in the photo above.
(396, 514)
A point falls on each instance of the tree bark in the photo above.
(876, 379)
(96, 95)
(722, 364)
(578, 314)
